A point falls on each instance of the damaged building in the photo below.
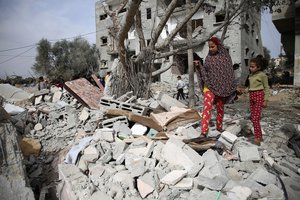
(243, 39)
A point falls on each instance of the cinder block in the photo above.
(109, 123)
(139, 110)
(229, 136)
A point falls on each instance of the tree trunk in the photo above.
(190, 59)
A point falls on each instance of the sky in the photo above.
(23, 23)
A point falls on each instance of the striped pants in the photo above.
(256, 103)
(209, 99)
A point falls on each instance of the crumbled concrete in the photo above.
(185, 156)
(173, 177)
(262, 176)
(138, 130)
(249, 154)
(239, 192)
(184, 184)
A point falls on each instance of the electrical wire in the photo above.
(16, 55)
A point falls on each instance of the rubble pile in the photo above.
(129, 148)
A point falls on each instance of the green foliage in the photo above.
(66, 59)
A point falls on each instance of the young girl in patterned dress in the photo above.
(258, 91)
(216, 79)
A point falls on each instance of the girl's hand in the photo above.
(240, 91)
(264, 104)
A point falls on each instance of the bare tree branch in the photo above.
(163, 22)
(129, 19)
(185, 46)
(180, 25)
(162, 70)
(139, 29)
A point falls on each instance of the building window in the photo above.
(103, 40)
(103, 64)
(148, 11)
(196, 23)
(148, 42)
(220, 16)
(246, 52)
(103, 17)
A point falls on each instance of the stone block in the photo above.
(216, 183)
(186, 157)
(267, 158)
(262, 176)
(136, 165)
(122, 130)
(84, 115)
(234, 128)
(239, 192)
(74, 184)
(184, 184)
(167, 102)
(249, 154)
(47, 98)
(109, 123)
(138, 110)
(100, 195)
(56, 96)
(38, 100)
(90, 154)
(138, 130)
(228, 136)
(227, 144)
(142, 151)
(38, 127)
(173, 177)
(106, 134)
(233, 174)
(144, 188)
(119, 149)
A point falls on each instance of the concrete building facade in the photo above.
(287, 21)
(243, 39)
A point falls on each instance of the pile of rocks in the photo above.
(119, 151)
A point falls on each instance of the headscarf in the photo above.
(217, 72)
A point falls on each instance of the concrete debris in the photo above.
(14, 94)
(129, 148)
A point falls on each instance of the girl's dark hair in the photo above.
(264, 62)
(259, 62)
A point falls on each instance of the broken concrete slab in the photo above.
(84, 92)
(249, 154)
(13, 180)
(14, 94)
(138, 130)
(239, 192)
(184, 184)
(173, 177)
(144, 188)
(185, 156)
(106, 134)
(262, 176)
(167, 102)
(74, 185)
(122, 130)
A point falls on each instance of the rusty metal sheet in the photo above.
(84, 92)
(98, 82)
